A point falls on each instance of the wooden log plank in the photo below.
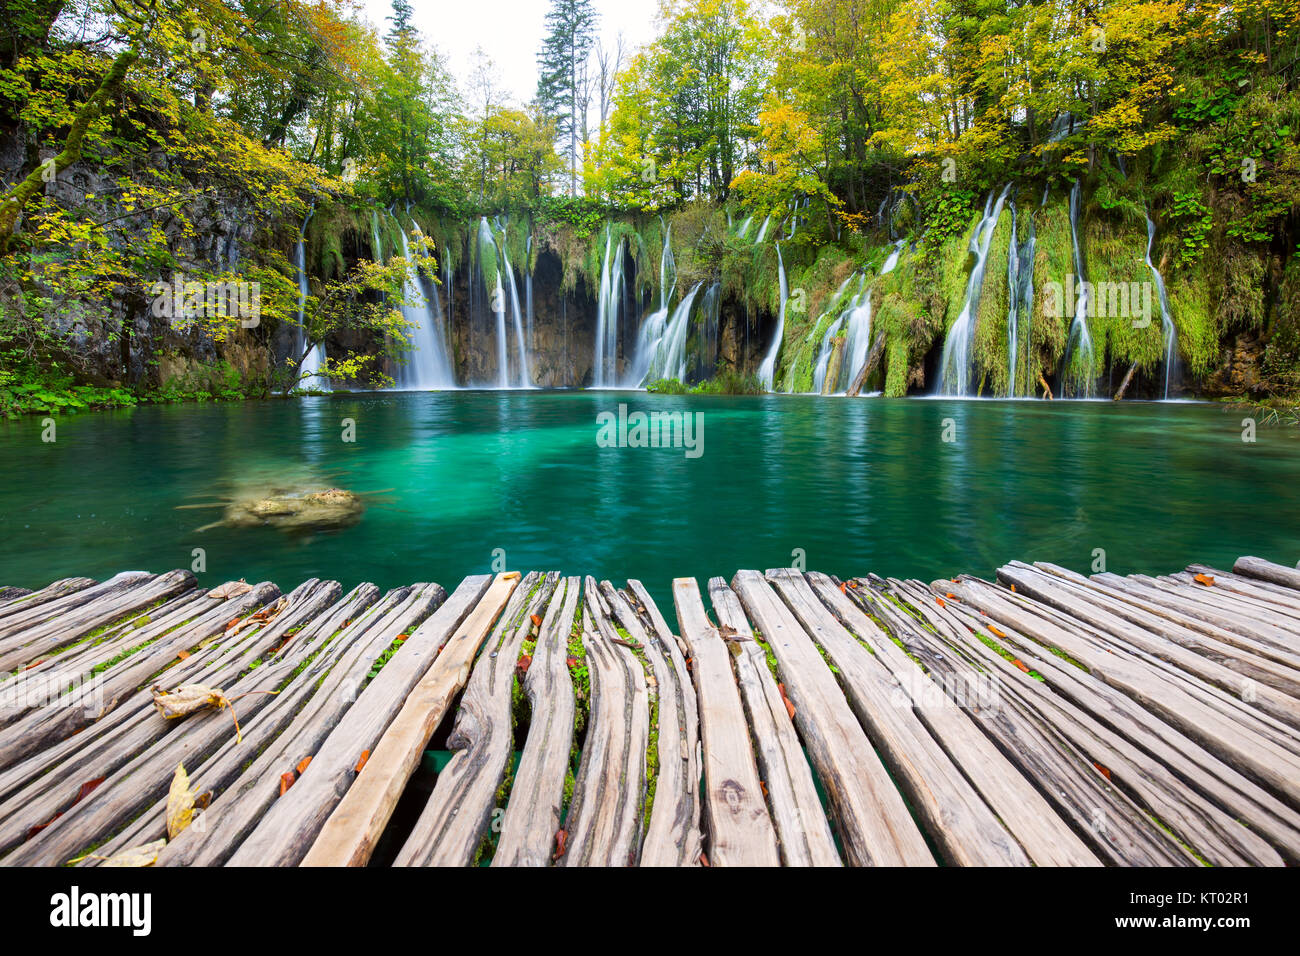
(1194, 764)
(456, 818)
(48, 781)
(1259, 617)
(672, 833)
(1040, 587)
(1271, 766)
(288, 829)
(20, 599)
(1100, 604)
(673, 836)
(144, 780)
(1040, 830)
(1204, 826)
(1238, 627)
(371, 625)
(31, 615)
(305, 663)
(532, 816)
(1284, 610)
(604, 822)
(66, 714)
(1114, 826)
(740, 831)
(30, 644)
(803, 832)
(1276, 593)
(873, 821)
(966, 831)
(1268, 571)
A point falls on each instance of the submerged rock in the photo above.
(305, 511)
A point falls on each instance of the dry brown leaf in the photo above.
(1204, 579)
(181, 801)
(138, 856)
(230, 589)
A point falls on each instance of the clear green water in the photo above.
(858, 486)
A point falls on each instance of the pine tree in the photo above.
(562, 88)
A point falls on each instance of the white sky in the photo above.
(510, 32)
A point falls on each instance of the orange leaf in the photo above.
(401, 638)
(286, 781)
(33, 664)
(302, 767)
(939, 601)
(524, 662)
(1204, 579)
(537, 621)
(1021, 664)
(1104, 772)
(844, 588)
(88, 788)
(1013, 587)
(560, 837)
(573, 662)
(365, 756)
(184, 655)
(704, 860)
(996, 631)
(853, 584)
(788, 706)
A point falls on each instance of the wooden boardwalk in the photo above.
(783, 718)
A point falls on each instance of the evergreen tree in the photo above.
(562, 88)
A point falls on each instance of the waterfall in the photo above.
(743, 231)
(892, 259)
(1080, 339)
(428, 366)
(314, 362)
(663, 340)
(704, 361)
(498, 303)
(762, 232)
(957, 368)
(1166, 319)
(651, 333)
(528, 295)
(1020, 296)
(608, 304)
(767, 371)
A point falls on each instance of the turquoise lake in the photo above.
(456, 480)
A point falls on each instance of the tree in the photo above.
(562, 87)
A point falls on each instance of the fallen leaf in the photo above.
(524, 663)
(996, 631)
(1013, 588)
(1021, 664)
(401, 638)
(939, 601)
(844, 588)
(302, 767)
(571, 662)
(180, 803)
(286, 781)
(87, 789)
(139, 856)
(1204, 579)
(537, 621)
(230, 589)
(365, 757)
(560, 837)
(704, 860)
(33, 664)
(788, 706)
(1102, 770)
(183, 655)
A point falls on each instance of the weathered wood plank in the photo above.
(966, 831)
(1268, 571)
(532, 816)
(604, 822)
(352, 831)
(1274, 768)
(1204, 826)
(20, 599)
(30, 615)
(287, 830)
(456, 818)
(672, 827)
(874, 824)
(740, 831)
(1041, 832)
(803, 832)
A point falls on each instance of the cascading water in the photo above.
(767, 371)
(311, 372)
(762, 232)
(957, 368)
(892, 260)
(499, 304)
(1168, 330)
(525, 379)
(608, 305)
(652, 330)
(1079, 355)
(428, 366)
(665, 342)
(1020, 296)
